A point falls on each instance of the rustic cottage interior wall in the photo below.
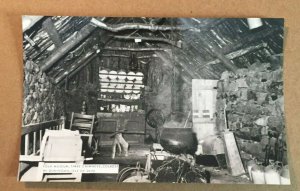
(83, 86)
(254, 99)
(43, 101)
(254, 94)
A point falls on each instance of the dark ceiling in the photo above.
(201, 48)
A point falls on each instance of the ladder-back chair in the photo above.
(84, 123)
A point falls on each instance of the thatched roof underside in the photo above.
(199, 52)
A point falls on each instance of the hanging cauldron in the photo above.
(179, 140)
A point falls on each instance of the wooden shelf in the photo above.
(118, 100)
(106, 82)
(113, 114)
(121, 89)
(107, 74)
(125, 132)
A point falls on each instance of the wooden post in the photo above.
(63, 122)
(41, 137)
(26, 144)
(34, 142)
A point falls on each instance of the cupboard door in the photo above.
(135, 131)
(134, 126)
(107, 127)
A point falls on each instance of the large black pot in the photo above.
(179, 140)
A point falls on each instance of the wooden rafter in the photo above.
(135, 49)
(236, 54)
(140, 26)
(251, 38)
(165, 40)
(126, 56)
(218, 53)
(76, 67)
(63, 50)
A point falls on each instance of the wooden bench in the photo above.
(36, 138)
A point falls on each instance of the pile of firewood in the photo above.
(253, 99)
(42, 100)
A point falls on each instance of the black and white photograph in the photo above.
(153, 100)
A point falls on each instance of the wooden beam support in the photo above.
(115, 55)
(77, 66)
(236, 54)
(135, 49)
(63, 50)
(49, 27)
(218, 53)
(126, 56)
(140, 26)
(168, 41)
(251, 38)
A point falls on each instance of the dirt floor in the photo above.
(137, 154)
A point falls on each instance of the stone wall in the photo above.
(253, 99)
(43, 101)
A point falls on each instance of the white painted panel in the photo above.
(204, 95)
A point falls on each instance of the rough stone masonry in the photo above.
(255, 111)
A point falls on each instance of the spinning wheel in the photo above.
(156, 119)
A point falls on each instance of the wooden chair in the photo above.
(83, 123)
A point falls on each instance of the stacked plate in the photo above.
(121, 75)
(103, 74)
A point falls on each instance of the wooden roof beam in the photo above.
(236, 54)
(251, 38)
(126, 56)
(135, 49)
(67, 46)
(76, 67)
(139, 26)
(168, 41)
(218, 53)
